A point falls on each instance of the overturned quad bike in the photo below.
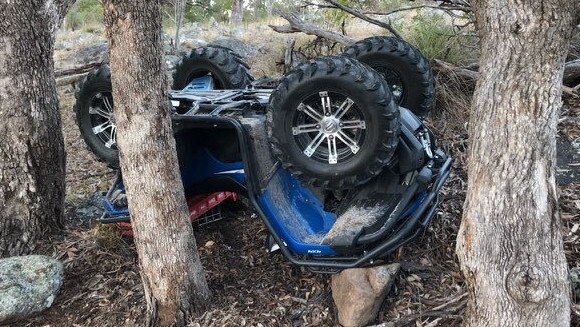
(335, 158)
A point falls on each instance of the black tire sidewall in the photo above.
(412, 80)
(407, 61)
(92, 86)
(225, 66)
(372, 118)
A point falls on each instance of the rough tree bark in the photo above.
(509, 243)
(32, 158)
(172, 274)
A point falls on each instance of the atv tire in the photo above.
(95, 94)
(405, 69)
(340, 145)
(226, 67)
(228, 70)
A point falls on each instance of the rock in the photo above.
(28, 285)
(240, 47)
(239, 31)
(171, 61)
(213, 23)
(190, 31)
(359, 292)
(385, 324)
(83, 55)
(62, 45)
(188, 44)
(93, 53)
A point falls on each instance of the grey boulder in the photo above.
(28, 285)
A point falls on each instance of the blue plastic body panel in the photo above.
(202, 165)
(111, 210)
(296, 214)
(203, 83)
(419, 198)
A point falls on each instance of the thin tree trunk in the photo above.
(509, 243)
(237, 12)
(172, 274)
(179, 12)
(32, 158)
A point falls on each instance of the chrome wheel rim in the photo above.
(329, 127)
(102, 119)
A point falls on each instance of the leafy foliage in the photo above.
(437, 38)
(85, 14)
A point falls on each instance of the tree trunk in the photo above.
(237, 12)
(179, 8)
(32, 158)
(172, 274)
(509, 243)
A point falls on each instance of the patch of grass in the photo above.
(108, 238)
(86, 15)
(452, 106)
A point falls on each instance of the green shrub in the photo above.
(332, 18)
(85, 14)
(435, 37)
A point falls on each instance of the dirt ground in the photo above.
(250, 287)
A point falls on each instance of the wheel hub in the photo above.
(330, 125)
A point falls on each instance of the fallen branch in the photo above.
(406, 320)
(360, 15)
(470, 76)
(70, 79)
(298, 25)
(451, 309)
(289, 54)
(77, 70)
(456, 299)
(75, 74)
(318, 5)
(461, 72)
(444, 8)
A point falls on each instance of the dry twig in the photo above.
(360, 15)
(396, 10)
